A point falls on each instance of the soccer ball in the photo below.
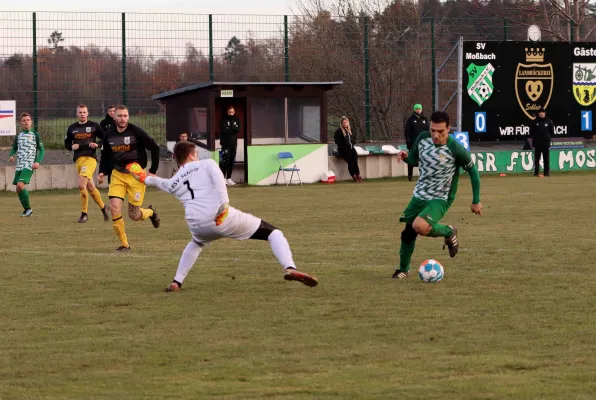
(430, 271)
(484, 91)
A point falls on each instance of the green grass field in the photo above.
(512, 319)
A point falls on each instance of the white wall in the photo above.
(62, 176)
(65, 177)
(371, 166)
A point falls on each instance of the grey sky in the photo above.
(153, 27)
(266, 7)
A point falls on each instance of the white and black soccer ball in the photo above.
(484, 91)
(431, 271)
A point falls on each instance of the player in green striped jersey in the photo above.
(29, 152)
(439, 158)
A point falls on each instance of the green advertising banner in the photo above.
(312, 159)
(523, 161)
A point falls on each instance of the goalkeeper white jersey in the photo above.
(200, 186)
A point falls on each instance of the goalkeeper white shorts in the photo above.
(237, 225)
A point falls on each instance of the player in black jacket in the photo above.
(83, 138)
(541, 131)
(125, 144)
(415, 125)
(228, 138)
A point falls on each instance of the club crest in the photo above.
(480, 82)
(584, 83)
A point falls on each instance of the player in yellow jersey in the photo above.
(125, 144)
(82, 138)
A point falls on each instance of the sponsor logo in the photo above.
(120, 148)
(6, 114)
(534, 82)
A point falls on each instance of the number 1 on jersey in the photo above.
(192, 193)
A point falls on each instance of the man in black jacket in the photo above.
(108, 123)
(541, 131)
(228, 138)
(415, 125)
(125, 144)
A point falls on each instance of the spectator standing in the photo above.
(541, 131)
(228, 138)
(415, 125)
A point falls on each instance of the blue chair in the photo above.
(285, 155)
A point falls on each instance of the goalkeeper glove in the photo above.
(222, 214)
(137, 172)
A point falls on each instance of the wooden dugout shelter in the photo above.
(272, 114)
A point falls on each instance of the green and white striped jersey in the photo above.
(28, 148)
(439, 167)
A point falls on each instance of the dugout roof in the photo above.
(209, 84)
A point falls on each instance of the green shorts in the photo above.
(23, 175)
(430, 210)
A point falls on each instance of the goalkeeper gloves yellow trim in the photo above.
(222, 214)
(137, 172)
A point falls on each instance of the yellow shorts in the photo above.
(86, 166)
(122, 184)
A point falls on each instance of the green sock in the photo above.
(405, 254)
(24, 197)
(439, 230)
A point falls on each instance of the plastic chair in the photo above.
(284, 155)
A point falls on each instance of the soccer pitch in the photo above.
(512, 319)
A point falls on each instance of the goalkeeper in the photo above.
(201, 187)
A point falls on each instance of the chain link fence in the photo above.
(50, 62)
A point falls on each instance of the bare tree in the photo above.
(561, 19)
(55, 39)
(330, 43)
